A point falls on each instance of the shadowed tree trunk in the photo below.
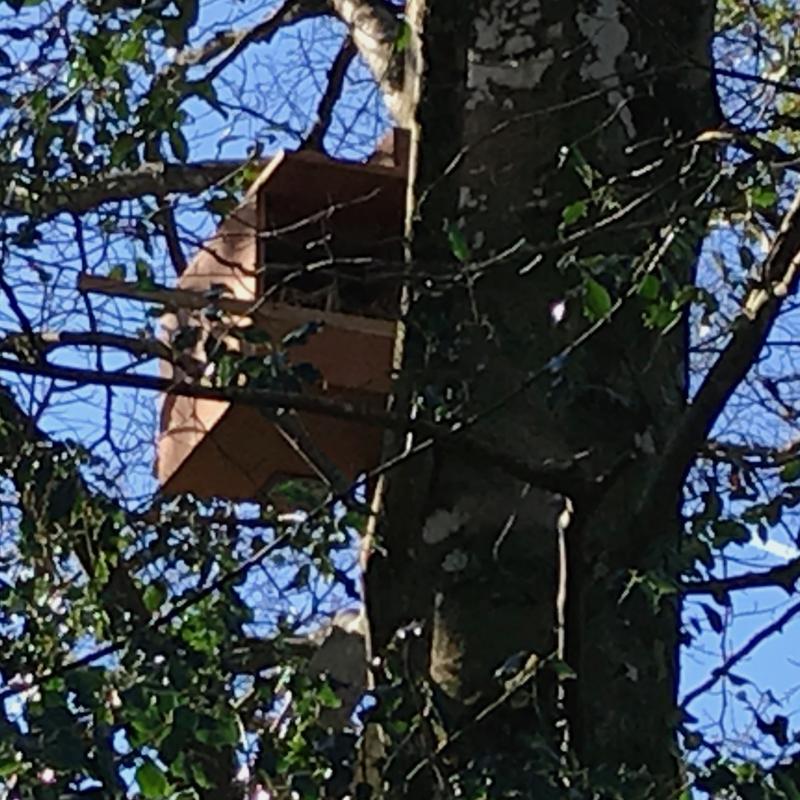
(550, 139)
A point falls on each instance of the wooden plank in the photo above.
(257, 309)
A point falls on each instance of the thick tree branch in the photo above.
(752, 456)
(558, 478)
(80, 196)
(376, 32)
(749, 333)
(331, 95)
(784, 576)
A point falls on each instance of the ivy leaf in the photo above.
(123, 146)
(327, 697)
(179, 145)
(596, 299)
(117, 272)
(791, 471)
(301, 335)
(152, 781)
(458, 244)
(763, 197)
(403, 39)
(154, 596)
(573, 212)
(144, 275)
(729, 531)
(778, 729)
(650, 287)
(714, 618)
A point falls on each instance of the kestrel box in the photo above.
(312, 248)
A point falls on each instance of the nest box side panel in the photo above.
(229, 256)
(232, 459)
(185, 423)
(244, 454)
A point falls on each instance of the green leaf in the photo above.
(144, 275)
(154, 596)
(179, 144)
(152, 781)
(787, 785)
(63, 498)
(252, 334)
(573, 212)
(458, 244)
(200, 777)
(596, 299)
(650, 287)
(763, 197)
(791, 471)
(8, 765)
(729, 531)
(714, 618)
(130, 49)
(403, 39)
(563, 671)
(301, 335)
(86, 682)
(123, 146)
(660, 315)
(328, 697)
(217, 732)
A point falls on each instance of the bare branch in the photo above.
(230, 44)
(743, 652)
(331, 95)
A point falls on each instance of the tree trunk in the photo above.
(538, 119)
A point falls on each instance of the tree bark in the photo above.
(525, 109)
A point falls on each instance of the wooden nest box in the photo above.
(315, 241)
